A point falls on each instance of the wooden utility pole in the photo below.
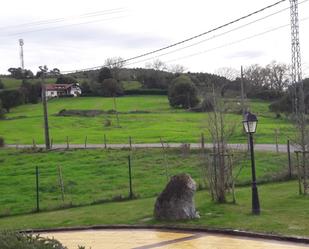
(46, 127)
(242, 92)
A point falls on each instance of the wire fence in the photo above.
(70, 177)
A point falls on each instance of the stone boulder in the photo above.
(176, 201)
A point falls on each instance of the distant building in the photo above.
(61, 90)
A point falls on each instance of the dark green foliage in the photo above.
(205, 106)
(146, 92)
(31, 92)
(104, 73)
(1, 142)
(110, 88)
(63, 79)
(265, 94)
(1, 84)
(19, 73)
(15, 240)
(183, 93)
(86, 89)
(285, 104)
(11, 98)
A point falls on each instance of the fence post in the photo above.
(105, 142)
(61, 182)
(130, 178)
(130, 142)
(276, 139)
(86, 138)
(289, 159)
(68, 146)
(202, 141)
(33, 143)
(37, 189)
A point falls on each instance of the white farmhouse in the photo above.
(60, 90)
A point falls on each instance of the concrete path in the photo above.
(146, 239)
(258, 147)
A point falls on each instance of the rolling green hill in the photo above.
(144, 118)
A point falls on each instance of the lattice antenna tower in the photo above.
(21, 44)
(296, 71)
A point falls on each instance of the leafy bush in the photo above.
(265, 94)
(15, 240)
(183, 93)
(282, 105)
(10, 98)
(109, 88)
(205, 106)
(146, 92)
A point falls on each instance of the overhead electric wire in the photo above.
(190, 38)
(64, 26)
(235, 42)
(56, 20)
(215, 36)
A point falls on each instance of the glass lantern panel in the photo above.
(252, 126)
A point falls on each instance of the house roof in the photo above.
(57, 87)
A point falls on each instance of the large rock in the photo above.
(176, 201)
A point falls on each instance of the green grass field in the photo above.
(283, 211)
(92, 176)
(25, 122)
(11, 83)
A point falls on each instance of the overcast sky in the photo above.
(73, 35)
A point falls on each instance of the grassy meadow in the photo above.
(283, 211)
(94, 176)
(144, 118)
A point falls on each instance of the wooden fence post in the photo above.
(105, 146)
(68, 146)
(86, 138)
(276, 139)
(37, 189)
(289, 159)
(202, 141)
(33, 143)
(130, 178)
(61, 182)
(130, 142)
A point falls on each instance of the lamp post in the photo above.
(250, 124)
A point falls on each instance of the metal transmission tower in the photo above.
(21, 44)
(296, 71)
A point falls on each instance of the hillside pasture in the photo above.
(94, 176)
(145, 118)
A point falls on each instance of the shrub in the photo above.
(205, 106)
(110, 88)
(282, 105)
(265, 94)
(145, 92)
(183, 93)
(10, 98)
(15, 240)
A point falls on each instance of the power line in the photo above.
(67, 25)
(216, 36)
(235, 42)
(191, 38)
(56, 20)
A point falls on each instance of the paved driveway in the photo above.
(146, 239)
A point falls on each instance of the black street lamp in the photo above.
(250, 124)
